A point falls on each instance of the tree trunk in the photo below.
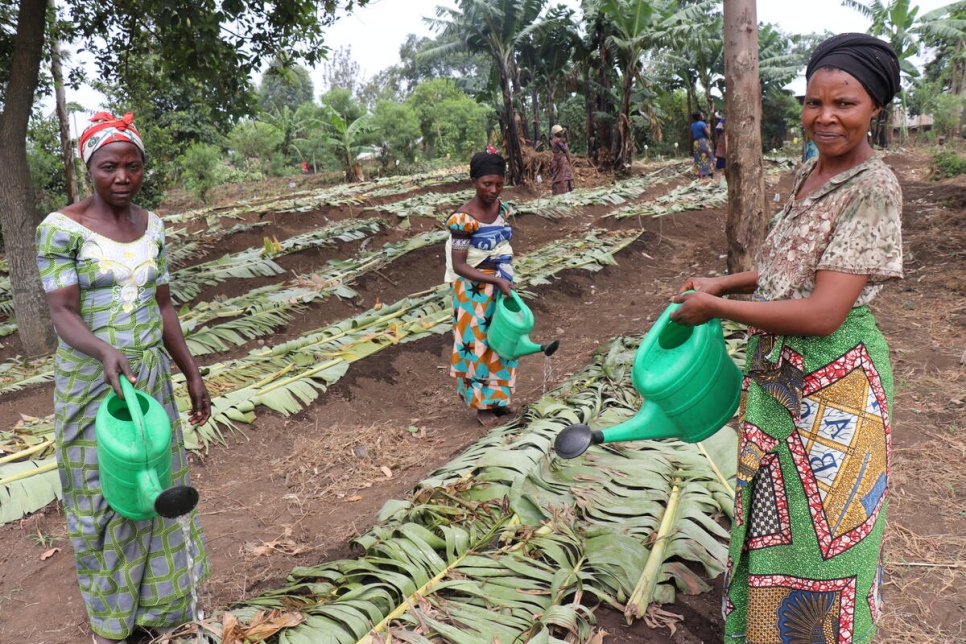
(511, 133)
(66, 146)
(18, 215)
(536, 114)
(747, 219)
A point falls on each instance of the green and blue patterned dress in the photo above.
(130, 572)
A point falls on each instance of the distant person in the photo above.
(105, 271)
(805, 562)
(560, 170)
(720, 148)
(701, 136)
(478, 256)
(809, 150)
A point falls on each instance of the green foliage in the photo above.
(779, 110)
(253, 144)
(397, 128)
(946, 165)
(46, 165)
(345, 138)
(572, 114)
(341, 100)
(203, 168)
(284, 84)
(450, 121)
(217, 44)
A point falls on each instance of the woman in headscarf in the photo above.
(804, 562)
(560, 170)
(104, 268)
(478, 255)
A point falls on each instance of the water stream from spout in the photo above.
(189, 546)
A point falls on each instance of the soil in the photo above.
(285, 492)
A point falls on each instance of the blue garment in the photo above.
(698, 130)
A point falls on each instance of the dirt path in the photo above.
(293, 491)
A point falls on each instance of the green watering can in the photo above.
(134, 457)
(689, 383)
(509, 331)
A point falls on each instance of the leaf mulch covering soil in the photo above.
(287, 492)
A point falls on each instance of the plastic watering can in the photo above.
(134, 457)
(689, 383)
(509, 331)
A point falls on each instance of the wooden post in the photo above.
(747, 218)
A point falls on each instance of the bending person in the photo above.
(804, 562)
(103, 265)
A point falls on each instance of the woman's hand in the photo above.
(505, 286)
(696, 308)
(710, 285)
(115, 363)
(200, 401)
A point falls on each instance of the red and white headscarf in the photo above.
(106, 128)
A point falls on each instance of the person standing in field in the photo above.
(701, 144)
(814, 453)
(104, 269)
(478, 256)
(721, 146)
(560, 169)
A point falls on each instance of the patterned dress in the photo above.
(130, 572)
(560, 170)
(703, 154)
(804, 562)
(484, 380)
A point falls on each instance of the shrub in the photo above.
(947, 164)
(203, 168)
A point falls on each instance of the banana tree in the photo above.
(899, 22)
(345, 138)
(497, 28)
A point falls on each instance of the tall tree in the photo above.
(498, 28)
(218, 44)
(284, 84)
(747, 221)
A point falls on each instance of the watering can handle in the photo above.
(131, 398)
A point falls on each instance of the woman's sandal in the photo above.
(504, 411)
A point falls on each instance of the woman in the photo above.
(721, 147)
(703, 154)
(560, 170)
(104, 269)
(478, 255)
(804, 562)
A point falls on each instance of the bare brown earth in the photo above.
(293, 491)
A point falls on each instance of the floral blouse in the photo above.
(852, 224)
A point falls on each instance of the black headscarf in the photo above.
(484, 163)
(870, 60)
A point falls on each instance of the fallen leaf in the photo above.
(386, 471)
(354, 498)
(50, 553)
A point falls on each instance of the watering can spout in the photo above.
(650, 423)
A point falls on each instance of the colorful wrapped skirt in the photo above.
(484, 380)
(703, 158)
(804, 562)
